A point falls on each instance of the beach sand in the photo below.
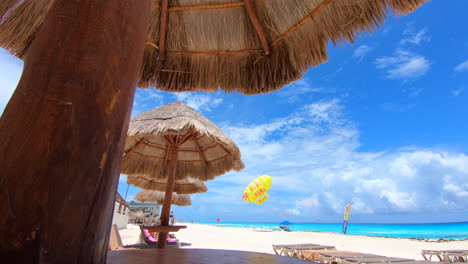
(214, 237)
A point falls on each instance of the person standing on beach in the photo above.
(171, 218)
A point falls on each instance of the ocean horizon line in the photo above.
(349, 223)
(433, 231)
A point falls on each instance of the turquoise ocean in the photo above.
(419, 231)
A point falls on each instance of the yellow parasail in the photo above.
(256, 191)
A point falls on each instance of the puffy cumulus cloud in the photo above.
(456, 190)
(309, 202)
(314, 159)
(360, 207)
(306, 203)
(404, 65)
(200, 102)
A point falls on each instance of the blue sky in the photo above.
(382, 125)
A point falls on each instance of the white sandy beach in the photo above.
(206, 236)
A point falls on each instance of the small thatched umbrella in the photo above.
(174, 142)
(135, 216)
(158, 197)
(203, 150)
(188, 186)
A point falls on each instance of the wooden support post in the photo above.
(163, 29)
(142, 141)
(200, 152)
(258, 26)
(62, 132)
(166, 210)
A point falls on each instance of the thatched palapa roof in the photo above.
(250, 46)
(155, 196)
(206, 152)
(137, 215)
(188, 186)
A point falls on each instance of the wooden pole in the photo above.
(257, 25)
(163, 29)
(166, 210)
(62, 132)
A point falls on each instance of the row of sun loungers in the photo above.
(329, 255)
(450, 256)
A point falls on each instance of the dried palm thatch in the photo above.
(137, 216)
(188, 186)
(158, 197)
(204, 151)
(250, 46)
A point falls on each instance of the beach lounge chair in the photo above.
(372, 260)
(450, 256)
(429, 254)
(279, 248)
(115, 241)
(453, 256)
(314, 255)
(294, 251)
(152, 239)
(333, 257)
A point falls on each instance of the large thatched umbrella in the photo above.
(174, 142)
(69, 114)
(188, 186)
(158, 197)
(194, 45)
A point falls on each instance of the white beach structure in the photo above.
(121, 210)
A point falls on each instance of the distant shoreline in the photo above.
(330, 223)
(405, 235)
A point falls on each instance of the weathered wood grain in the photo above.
(166, 210)
(63, 130)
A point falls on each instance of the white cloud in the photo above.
(305, 204)
(462, 66)
(404, 65)
(415, 38)
(200, 102)
(361, 51)
(457, 190)
(293, 211)
(309, 202)
(458, 91)
(313, 158)
(360, 207)
(402, 200)
(300, 89)
(416, 92)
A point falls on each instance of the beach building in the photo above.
(150, 209)
(121, 209)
